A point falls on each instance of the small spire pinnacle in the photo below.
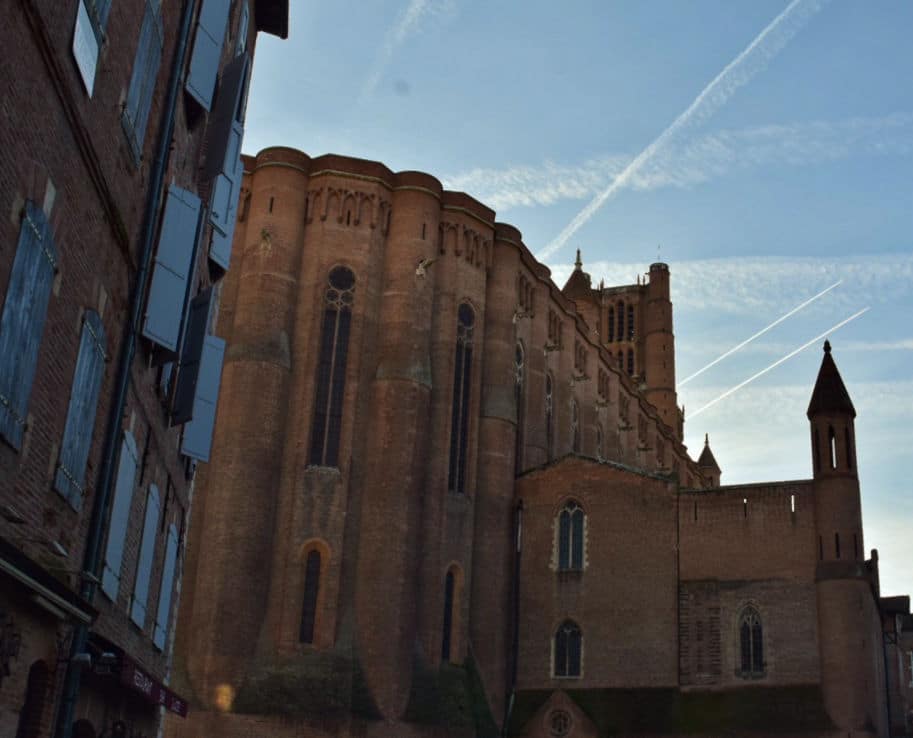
(578, 264)
(706, 439)
(827, 346)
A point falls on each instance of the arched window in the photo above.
(630, 322)
(631, 362)
(520, 397)
(611, 325)
(570, 537)
(447, 639)
(311, 590)
(331, 367)
(621, 321)
(847, 447)
(832, 445)
(751, 644)
(549, 418)
(568, 650)
(575, 426)
(462, 391)
(600, 453)
(36, 692)
(816, 450)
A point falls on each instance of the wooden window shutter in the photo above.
(22, 323)
(207, 48)
(174, 260)
(169, 571)
(80, 424)
(146, 557)
(197, 440)
(142, 81)
(191, 354)
(120, 515)
(223, 158)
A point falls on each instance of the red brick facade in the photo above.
(474, 404)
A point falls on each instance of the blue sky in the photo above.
(765, 147)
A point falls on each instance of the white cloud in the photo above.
(764, 286)
(692, 163)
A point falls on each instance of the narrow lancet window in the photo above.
(520, 398)
(331, 368)
(568, 650)
(575, 426)
(447, 636)
(630, 322)
(462, 391)
(832, 445)
(751, 644)
(549, 418)
(570, 537)
(311, 590)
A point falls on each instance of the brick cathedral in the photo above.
(448, 498)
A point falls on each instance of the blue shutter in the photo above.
(207, 48)
(146, 557)
(225, 195)
(120, 516)
(191, 353)
(77, 433)
(173, 266)
(162, 617)
(22, 322)
(197, 440)
(142, 81)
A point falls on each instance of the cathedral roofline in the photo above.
(549, 465)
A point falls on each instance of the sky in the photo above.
(763, 149)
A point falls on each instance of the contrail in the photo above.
(737, 73)
(778, 362)
(761, 332)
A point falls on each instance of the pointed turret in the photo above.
(831, 414)
(578, 284)
(830, 395)
(707, 463)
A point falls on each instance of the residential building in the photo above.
(121, 131)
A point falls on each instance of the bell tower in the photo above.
(849, 633)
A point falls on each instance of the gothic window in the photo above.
(447, 639)
(630, 322)
(832, 445)
(520, 397)
(751, 644)
(462, 391)
(311, 590)
(568, 650)
(611, 325)
(847, 448)
(631, 362)
(621, 321)
(549, 417)
(600, 453)
(331, 367)
(570, 537)
(575, 426)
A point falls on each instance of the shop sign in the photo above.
(139, 681)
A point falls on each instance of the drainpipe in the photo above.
(515, 617)
(96, 532)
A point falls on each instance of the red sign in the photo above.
(139, 681)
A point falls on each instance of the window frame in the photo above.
(571, 627)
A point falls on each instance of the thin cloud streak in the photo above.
(699, 161)
(737, 73)
(778, 362)
(760, 333)
(407, 24)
